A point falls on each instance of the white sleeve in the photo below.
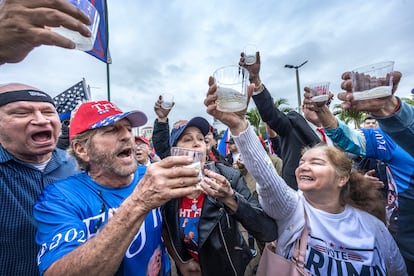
(277, 199)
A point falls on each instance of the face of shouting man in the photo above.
(29, 123)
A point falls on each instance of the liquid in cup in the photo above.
(82, 43)
(232, 82)
(372, 81)
(250, 54)
(320, 91)
(167, 101)
(196, 155)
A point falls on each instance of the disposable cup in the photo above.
(195, 154)
(232, 82)
(372, 81)
(250, 54)
(167, 101)
(320, 91)
(82, 43)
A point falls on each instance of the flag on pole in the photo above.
(223, 146)
(100, 48)
(66, 101)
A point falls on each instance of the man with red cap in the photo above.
(144, 152)
(107, 218)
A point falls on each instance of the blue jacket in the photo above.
(20, 186)
(375, 143)
(400, 127)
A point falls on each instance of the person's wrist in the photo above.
(391, 106)
(162, 120)
(326, 118)
(240, 127)
(256, 81)
(258, 87)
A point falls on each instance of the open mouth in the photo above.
(305, 177)
(42, 136)
(125, 153)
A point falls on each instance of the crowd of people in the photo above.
(116, 204)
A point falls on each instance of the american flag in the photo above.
(67, 100)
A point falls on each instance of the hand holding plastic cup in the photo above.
(82, 43)
(250, 54)
(210, 165)
(320, 91)
(372, 81)
(196, 155)
(232, 82)
(167, 101)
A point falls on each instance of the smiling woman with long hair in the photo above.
(344, 216)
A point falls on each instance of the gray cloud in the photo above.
(160, 46)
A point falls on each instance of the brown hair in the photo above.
(83, 138)
(358, 191)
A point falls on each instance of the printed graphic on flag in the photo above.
(101, 48)
(67, 100)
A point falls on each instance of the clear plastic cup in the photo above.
(320, 91)
(195, 154)
(82, 43)
(167, 101)
(232, 82)
(250, 54)
(372, 81)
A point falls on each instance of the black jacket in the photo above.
(161, 139)
(293, 130)
(222, 249)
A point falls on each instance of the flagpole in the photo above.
(108, 81)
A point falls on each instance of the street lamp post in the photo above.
(297, 80)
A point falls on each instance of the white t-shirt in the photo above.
(341, 244)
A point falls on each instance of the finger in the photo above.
(48, 37)
(345, 96)
(370, 172)
(173, 161)
(396, 80)
(258, 57)
(207, 188)
(63, 6)
(211, 81)
(346, 76)
(241, 60)
(396, 77)
(347, 85)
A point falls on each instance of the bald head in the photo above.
(29, 123)
(8, 87)
(16, 92)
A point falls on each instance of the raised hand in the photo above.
(24, 25)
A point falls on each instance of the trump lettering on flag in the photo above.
(67, 100)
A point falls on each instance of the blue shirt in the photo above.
(375, 143)
(21, 184)
(73, 210)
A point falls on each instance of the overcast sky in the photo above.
(174, 46)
